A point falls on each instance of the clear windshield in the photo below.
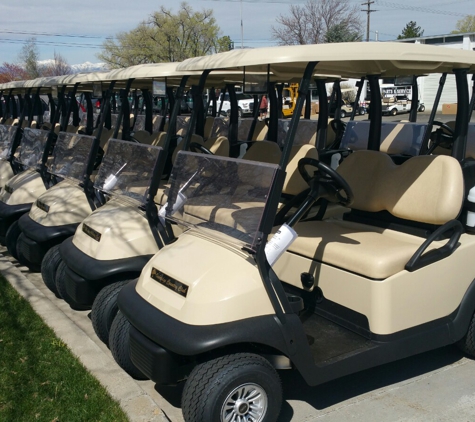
(243, 128)
(33, 144)
(306, 132)
(396, 137)
(139, 122)
(182, 125)
(127, 169)
(70, 155)
(221, 197)
(114, 118)
(282, 128)
(157, 121)
(220, 127)
(7, 135)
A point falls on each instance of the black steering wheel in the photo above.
(443, 137)
(196, 147)
(327, 178)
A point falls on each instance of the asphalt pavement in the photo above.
(433, 386)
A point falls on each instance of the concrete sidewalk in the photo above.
(434, 386)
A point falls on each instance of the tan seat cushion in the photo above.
(373, 252)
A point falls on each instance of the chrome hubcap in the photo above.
(246, 403)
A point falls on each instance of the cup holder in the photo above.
(296, 303)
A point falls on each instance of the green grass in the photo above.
(40, 379)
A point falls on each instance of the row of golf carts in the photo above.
(219, 252)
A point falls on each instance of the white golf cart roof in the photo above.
(85, 80)
(46, 83)
(354, 59)
(16, 86)
(143, 74)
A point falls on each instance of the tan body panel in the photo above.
(402, 301)
(27, 187)
(67, 205)
(124, 230)
(6, 172)
(224, 284)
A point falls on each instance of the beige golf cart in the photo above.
(391, 277)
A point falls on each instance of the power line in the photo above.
(48, 34)
(58, 43)
(419, 9)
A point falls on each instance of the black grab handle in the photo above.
(421, 259)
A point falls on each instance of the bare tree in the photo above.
(57, 67)
(309, 23)
(29, 56)
(12, 72)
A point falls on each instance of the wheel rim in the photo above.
(246, 403)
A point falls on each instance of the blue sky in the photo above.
(77, 29)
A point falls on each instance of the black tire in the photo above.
(467, 343)
(342, 114)
(393, 111)
(211, 384)
(49, 266)
(422, 108)
(104, 310)
(119, 344)
(11, 239)
(362, 112)
(60, 279)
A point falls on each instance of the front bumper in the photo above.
(86, 276)
(158, 340)
(9, 214)
(37, 239)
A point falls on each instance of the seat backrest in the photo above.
(402, 137)
(156, 123)
(260, 131)
(208, 127)
(244, 128)
(306, 132)
(426, 189)
(470, 152)
(143, 137)
(72, 129)
(182, 125)
(294, 183)
(159, 139)
(220, 127)
(264, 151)
(194, 138)
(219, 147)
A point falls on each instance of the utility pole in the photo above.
(368, 13)
(242, 29)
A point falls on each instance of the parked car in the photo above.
(245, 104)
